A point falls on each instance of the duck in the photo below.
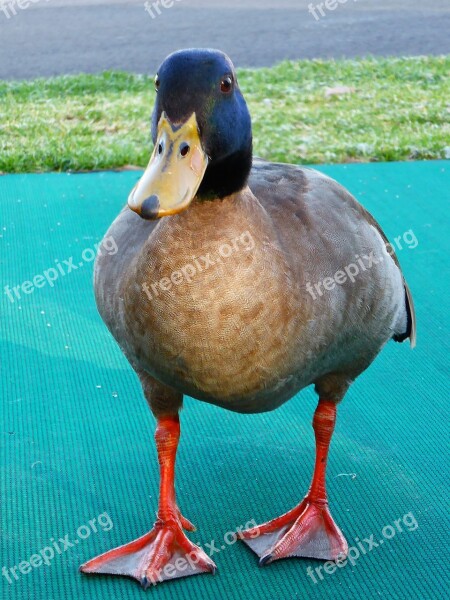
(239, 282)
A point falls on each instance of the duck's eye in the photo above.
(157, 82)
(226, 85)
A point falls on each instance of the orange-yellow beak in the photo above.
(174, 173)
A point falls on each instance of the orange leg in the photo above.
(307, 530)
(165, 552)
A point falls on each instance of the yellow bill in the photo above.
(174, 173)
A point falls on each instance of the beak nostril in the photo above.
(184, 149)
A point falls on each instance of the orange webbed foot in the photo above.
(162, 554)
(307, 531)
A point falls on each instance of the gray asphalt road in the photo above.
(62, 36)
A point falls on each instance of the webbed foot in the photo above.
(162, 554)
(306, 531)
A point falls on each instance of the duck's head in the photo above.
(202, 133)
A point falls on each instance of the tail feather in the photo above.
(411, 328)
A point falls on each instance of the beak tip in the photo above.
(150, 208)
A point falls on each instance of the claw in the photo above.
(144, 583)
(265, 560)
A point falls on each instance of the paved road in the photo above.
(66, 36)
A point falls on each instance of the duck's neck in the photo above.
(228, 176)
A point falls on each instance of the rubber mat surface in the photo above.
(78, 464)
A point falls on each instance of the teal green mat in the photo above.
(77, 436)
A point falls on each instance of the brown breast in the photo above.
(214, 309)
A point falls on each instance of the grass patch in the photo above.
(398, 110)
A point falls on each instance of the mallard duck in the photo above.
(239, 282)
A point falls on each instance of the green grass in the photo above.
(399, 110)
